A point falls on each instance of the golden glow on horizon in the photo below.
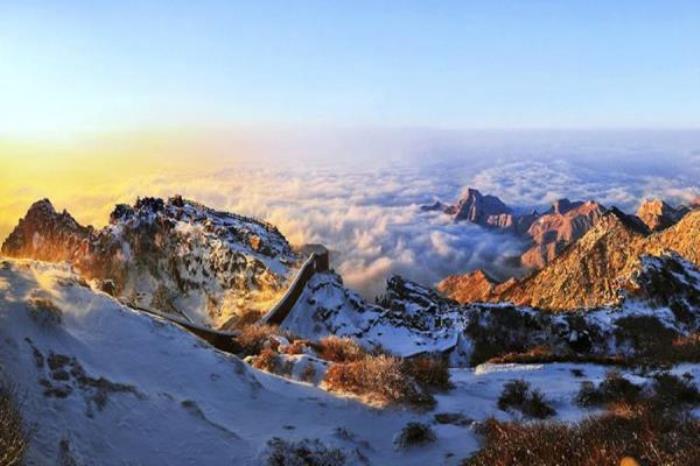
(89, 176)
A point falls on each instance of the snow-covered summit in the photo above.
(175, 256)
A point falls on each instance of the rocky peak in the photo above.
(45, 234)
(658, 215)
(483, 210)
(562, 206)
(174, 256)
(470, 287)
(554, 231)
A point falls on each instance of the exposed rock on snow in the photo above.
(173, 256)
(412, 319)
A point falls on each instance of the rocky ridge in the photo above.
(174, 256)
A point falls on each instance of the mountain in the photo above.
(477, 286)
(553, 231)
(47, 235)
(484, 210)
(658, 215)
(597, 269)
(174, 256)
(411, 319)
(101, 383)
(549, 232)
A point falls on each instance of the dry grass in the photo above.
(430, 372)
(13, 436)
(642, 433)
(44, 311)
(414, 434)
(518, 395)
(543, 354)
(297, 347)
(337, 349)
(247, 318)
(254, 338)
(379, 379)
(614, 389)
(268, 360)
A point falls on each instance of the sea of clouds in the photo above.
(367, 212)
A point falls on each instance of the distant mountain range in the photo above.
(577, 230)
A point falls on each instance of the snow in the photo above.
(415, 320)
(172, 399)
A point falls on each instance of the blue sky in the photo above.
(104, 66)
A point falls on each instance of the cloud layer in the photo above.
(368, 213)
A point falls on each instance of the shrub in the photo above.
(672, 391)
(599, 441)
(518, 395)
(414, 434)
(683, 348)
(613, 389)
(305, 452)
(268, 360)
(380, 379)
(340, 349)
(13, 436)
(309, 373)
(647, 334)
(296, 347)
(253, 338)
(429, 372)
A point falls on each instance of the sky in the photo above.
(94, 66)
(337, 120)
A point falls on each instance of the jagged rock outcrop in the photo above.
(485, 210)
(477, 286)
(174, 256)
(555, 230)
(47, 235)
(599, 268)
(683, 238)
(658, 215)
(655, 292)
(588, 274)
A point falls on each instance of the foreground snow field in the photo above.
(101, 383)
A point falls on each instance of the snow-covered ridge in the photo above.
(174, 256)
(413, 319)
(106, 384)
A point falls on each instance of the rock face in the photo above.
(476, 286)
(599, 268)
(47, 235)
(552, 234)
(563, 224)
(173, 256)
(588, 274)
(485, 210)
(657, 215)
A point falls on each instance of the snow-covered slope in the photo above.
(174, 256)
(101, 383)
(105, 384)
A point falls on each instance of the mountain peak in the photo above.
(173, 256)
(658, 215)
